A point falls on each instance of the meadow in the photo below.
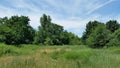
(66, 56)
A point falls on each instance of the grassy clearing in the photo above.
(32, 56)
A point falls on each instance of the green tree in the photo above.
(115, 38)
(19, 31)
(99, 37)
(48, 31)
(3, 29)
(73, 39)
(90, 27)
(53, 34)
(112, 25)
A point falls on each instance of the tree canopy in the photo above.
(112, 25)
(52, 34)
(99, 37)
(17, 30)
(90, 26)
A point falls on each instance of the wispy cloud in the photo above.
(100, 6)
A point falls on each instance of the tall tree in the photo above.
(48, 33)
(52, 34)
(112, 25)
(99, 37)
(89, 29)
(20, 32)
(115, 38)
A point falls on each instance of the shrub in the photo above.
(4, 50)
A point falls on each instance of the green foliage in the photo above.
(48, 41)
(16, 30)
(15, 50)
(115, 39)
(90, 27)
(8, 50)
(48, 33)
(99, 37)
(77, 55)
(2, 38)
(3, 29)
(53, 34)
(73, 39)
(112, 25)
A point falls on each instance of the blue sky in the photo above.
(72, 14)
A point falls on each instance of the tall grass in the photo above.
(15, 50)
(32, 56)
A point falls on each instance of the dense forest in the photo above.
(16, 30)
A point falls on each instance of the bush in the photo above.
(13, 50)
(4, 50)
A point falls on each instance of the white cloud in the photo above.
(35, 20)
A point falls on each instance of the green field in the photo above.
(33, 56)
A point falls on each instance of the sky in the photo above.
(72, 14)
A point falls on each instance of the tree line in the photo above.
(98, 34)
(17, 30)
